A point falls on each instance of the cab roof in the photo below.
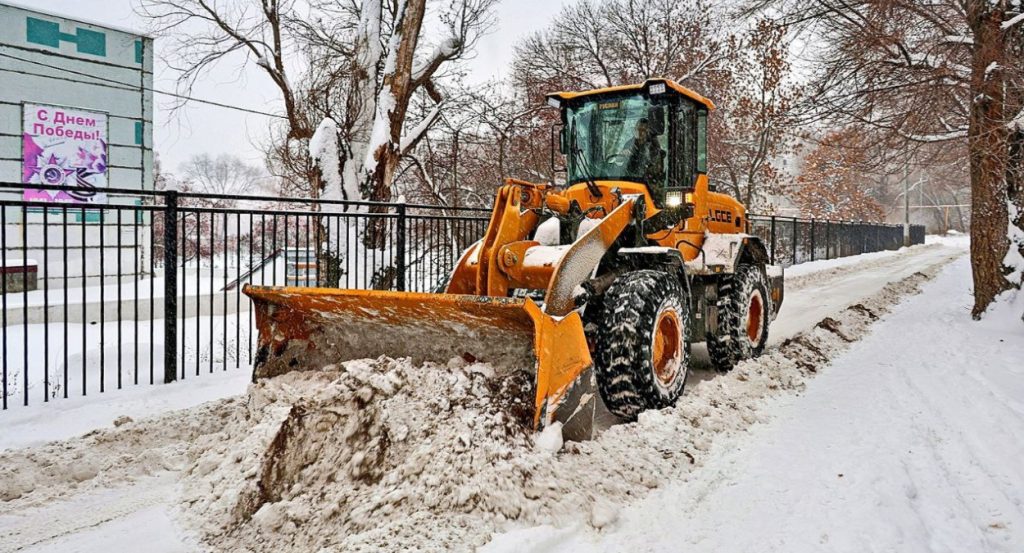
(636, 87)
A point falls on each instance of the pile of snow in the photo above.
(373, 455)
(355, 457)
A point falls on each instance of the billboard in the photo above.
(64, 146)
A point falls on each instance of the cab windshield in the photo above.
(618, 138)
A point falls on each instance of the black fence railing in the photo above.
(146, 288)
(791, 240)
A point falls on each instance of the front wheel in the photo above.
(743, 317)
(643, 354)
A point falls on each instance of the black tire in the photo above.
(743, 316)
(629, 377)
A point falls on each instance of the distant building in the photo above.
(76, 109)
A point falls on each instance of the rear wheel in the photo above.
(743, 318)
(642, 350)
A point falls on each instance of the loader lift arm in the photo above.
(306, 328)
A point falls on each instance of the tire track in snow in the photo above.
(50, 522)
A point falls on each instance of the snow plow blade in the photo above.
(308, 328)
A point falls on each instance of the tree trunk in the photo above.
(987, 141)
(1015, 162)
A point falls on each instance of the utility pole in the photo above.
(455, 168)
(906, 203)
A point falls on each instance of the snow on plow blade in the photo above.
(308, 328)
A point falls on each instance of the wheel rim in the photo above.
(667, 347)
(755, 317)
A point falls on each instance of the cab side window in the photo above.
(684, 170)
(702, 141)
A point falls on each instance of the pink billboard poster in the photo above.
(64, 147)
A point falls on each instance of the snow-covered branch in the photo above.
(448, 49)
(1019, 18)
(958, 39)
(938, 137)
(916, 60)
(416, 133)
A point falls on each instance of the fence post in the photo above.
(400, 247)
(796, 244)
(812, 239)
(170, 287)
(773, 240)
(828, 241)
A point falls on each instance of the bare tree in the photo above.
(831, 184)
(596, 43)
(926, 73)
(756, 116)
(224, 174)
(347, 72)
(206, 32)
(358, 150)
(361, 145)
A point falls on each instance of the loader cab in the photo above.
(653, 133)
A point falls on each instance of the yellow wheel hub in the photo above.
(668, 345)
(755, 317)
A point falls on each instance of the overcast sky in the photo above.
(198, 128)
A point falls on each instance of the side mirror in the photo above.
(563, 147)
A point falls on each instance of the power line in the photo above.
(938, 205)
(130, 86)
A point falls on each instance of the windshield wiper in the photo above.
(585, 167)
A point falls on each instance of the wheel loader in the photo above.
(595, 288)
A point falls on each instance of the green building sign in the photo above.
(48, 33)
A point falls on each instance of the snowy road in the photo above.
(134, 517)
(813, 295)
(912, 441)
(768, 500)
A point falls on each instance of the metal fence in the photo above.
(791, 240)
(146, 288)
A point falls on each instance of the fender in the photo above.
(654, 257)
(721, 254)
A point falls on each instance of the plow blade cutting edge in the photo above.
(308, 328)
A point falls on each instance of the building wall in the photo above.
(52, 60)
(78, 65)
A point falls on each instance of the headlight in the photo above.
(674, 199)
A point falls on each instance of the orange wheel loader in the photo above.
(597, 288)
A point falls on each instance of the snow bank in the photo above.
(105, 458)
(357, 456)
(374, 455)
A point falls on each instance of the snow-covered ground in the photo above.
(75, 365)
(912, 441)
(66, 418)
(922, 419)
